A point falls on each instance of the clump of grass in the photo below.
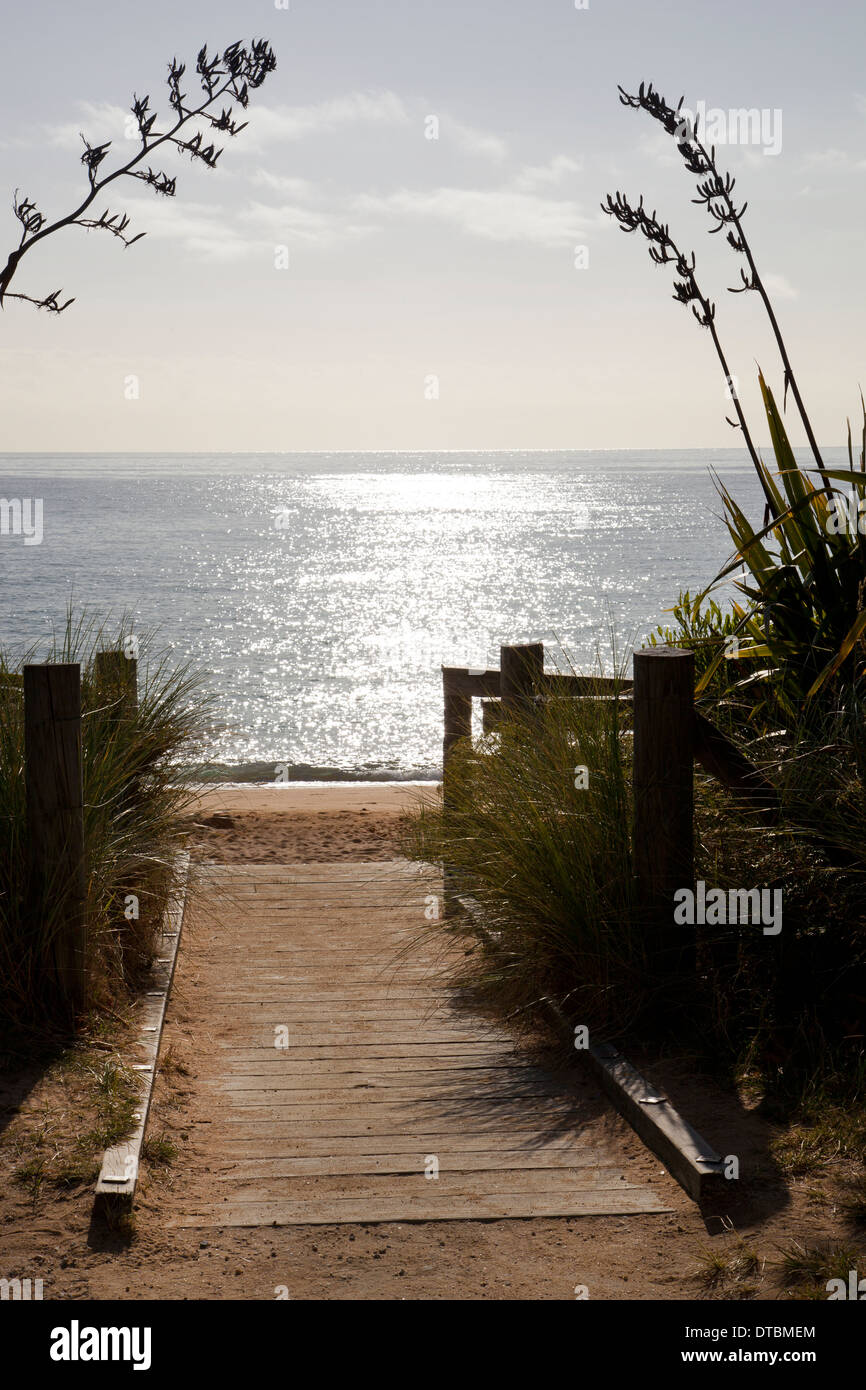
(119, 1090)
(136, 791)
(58, 1156)
(159, 1150)
(730, 1269)
(807, 1269)
(548, 858)
(823, 1131)
(172, 1064)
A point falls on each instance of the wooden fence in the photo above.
(53, 775)
(669, 735)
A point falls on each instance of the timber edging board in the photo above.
(118, 1176)
(689, 1159)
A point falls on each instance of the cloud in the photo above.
(289, 222)
(99, 121)
(268, 125)
(549, 175)
(473, 141)
(206, 229)
(524, 208)
(779, 288)
(503, 214)
(834, 161)
(273, 124)
(300, 189)
(658, 146)
(218, 233)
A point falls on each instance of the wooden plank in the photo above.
(295, 1072)
(481, 1160)
(370, 1051)
(118, 1174)
(397, 1110)
(486, 1182)
(352, 1037)
(497, 1078)
(471, 681)
(509, 1143)
(399, 1207)
(697, 1167)
(353, 1085)
(255, 1129)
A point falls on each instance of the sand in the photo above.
(380, 798)
(296, 822)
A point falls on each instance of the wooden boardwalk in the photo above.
(343, 1080)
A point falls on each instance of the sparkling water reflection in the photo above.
(321, 593)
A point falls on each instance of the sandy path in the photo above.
(619, 1257)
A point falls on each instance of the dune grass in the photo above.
(136, 791)
(548, 858)
(549, 861)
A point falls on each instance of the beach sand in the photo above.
(304, 821)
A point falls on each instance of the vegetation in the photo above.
(86, 1104)
(548, 861)
(781, 669)
(229, 76)
(135, 794)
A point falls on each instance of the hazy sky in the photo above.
(413, 258)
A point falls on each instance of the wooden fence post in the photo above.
(521, 671)
(55, 817)
(663, 844)
(117, 676)
(458, 724)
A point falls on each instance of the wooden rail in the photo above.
(724, 761)
(670, 735)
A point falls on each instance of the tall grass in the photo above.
(550, 863)
(137, 788)
(549, 860)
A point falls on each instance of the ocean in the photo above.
(320, 593)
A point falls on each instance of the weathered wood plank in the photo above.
(400, 1207)
(408, 1164)
(118, 1174)
(379, 1074)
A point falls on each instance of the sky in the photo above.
(404, 249)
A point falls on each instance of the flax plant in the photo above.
(803, 624)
